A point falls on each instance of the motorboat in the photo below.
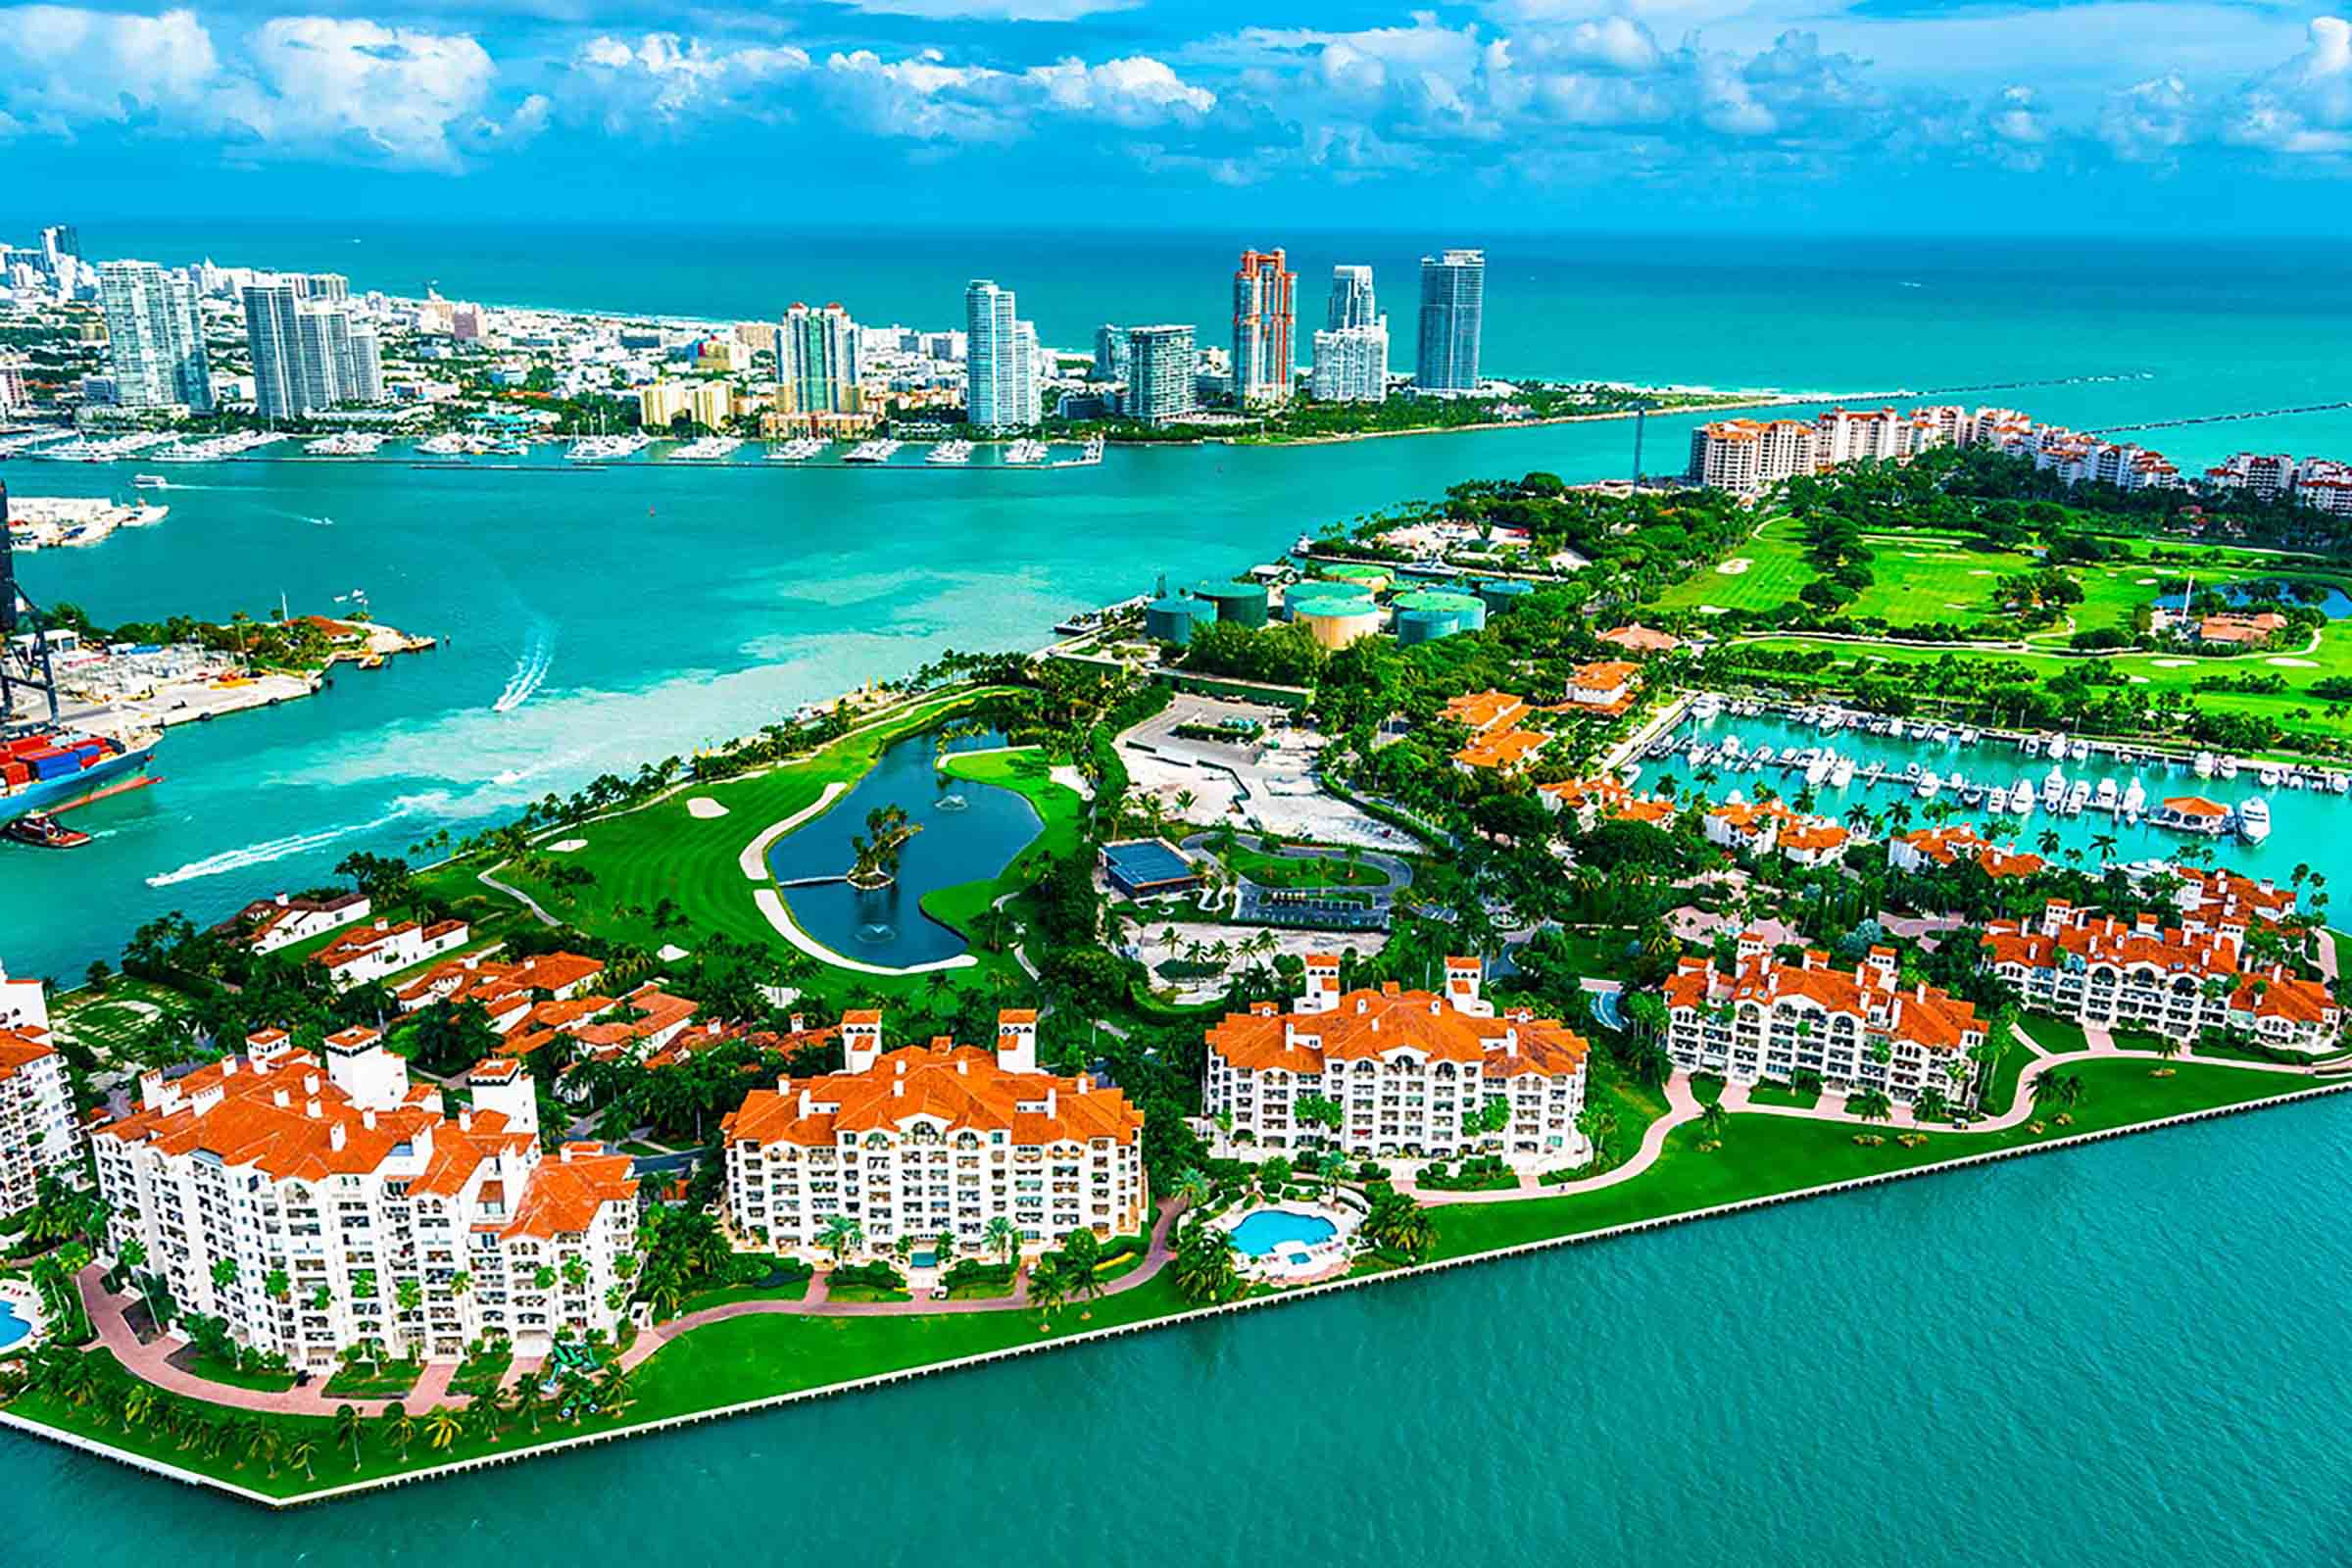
(1928, 786)
(2104, 796)
(2268, 774)
(2053, 787)
(2228, 768)
(1841, 772)
(2203, 765)
(2135, 799)
(2078, 796)
(2254, 820)
(2021, 799)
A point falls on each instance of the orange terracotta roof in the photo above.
(1504, 751)
(1369, 1024)
(1480, 711)
(21, 1049)
(958, 1085)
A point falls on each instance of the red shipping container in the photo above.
(14, 774)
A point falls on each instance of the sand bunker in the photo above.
(1734, 567)
(2145, 582)
(703, 806)
(1713, 610)
(2172, 663)
(671, 953)
(567, 847)
(2138, 680)
(2283, 663)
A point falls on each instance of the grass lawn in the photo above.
(789, 1291)
(1772, 1094)
(983, 1292)
(112, 1020)
(388, 1381)
(866, 1293)
(1304, 872)
(2001, 1089)
(213, 1370)
(1029, 773)
(2055, 1035)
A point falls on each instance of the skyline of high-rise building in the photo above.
(1000, 367)
(307, 357)
(1265, 339)
(155, 337)
(1454, 292)
(1159, 374)
(816, 360)
(1353, 302)
(1352, 364)
(1110, 351)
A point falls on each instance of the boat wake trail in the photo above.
(530, 671)
(266, 851)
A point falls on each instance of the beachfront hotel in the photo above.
(1859, 1028)
(298, 1195)
(935, 1140)
(2172, 980)
(38, 1133)
(1407, 1069)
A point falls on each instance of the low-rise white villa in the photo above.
(1859, 1028)
(2173, 980)
(1409, 1071)
(268, 924)
(314, 1204)
(935, 1140)
(385, 947)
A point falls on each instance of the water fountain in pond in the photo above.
(877, 933)
(950, 802)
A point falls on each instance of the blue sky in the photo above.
(2101, 116)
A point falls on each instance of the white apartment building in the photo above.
(281, 921)
(24, 1004)
(1748, 456)
(38, 1132)
(1408, 1069)
(927, 1141)
(1351, 363)
(2177, 980)
(316, 1203)
(1859, 1028)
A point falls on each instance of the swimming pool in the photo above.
(12, 1327)
(1263, 1231)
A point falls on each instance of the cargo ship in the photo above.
(52, 771)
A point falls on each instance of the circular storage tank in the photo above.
(1336, 621)
(1503, 594)
(1170, 619)
(1242, 602)
(1379, 580)
(1327, 596)
(1426, 625)
(1468, 610)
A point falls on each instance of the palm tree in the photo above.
(1001, 1238)
(841, 1235)
(1049, 1289)
(1203, 1268)
(400, 1428)
(348, 1425)
(1713, 1119)
(442, 1427)
(302, 1452)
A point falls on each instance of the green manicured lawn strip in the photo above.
(1771, 1093)
(1304, 872)
(789, 1291)
(865, 1292)
(236, 1377)
(2055, 1035)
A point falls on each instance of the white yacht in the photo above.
(950, 451)
(2228, 768)
(1817, 771)
(2203, 765)
(2078, 796)
(2053, 788)
(1841, 772)
(2268, 774)
(2104, 796)
(1928, 786)
(2254, 820)
(2021, 799)
(2135, 799)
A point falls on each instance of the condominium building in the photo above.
(1159, 374)
(1351, 363)
(1000, 385)
(1413, 1073)
(1352, 302)
(2173, 980)
(935, 1140)
(706, 403)
(816, 362)
(155, 338)
(1858, 1029)
(1265, 337)
(307, 357)
(1453, 304)
(39, 1134)
(1747, 456)
(313, 1201)
(1110, 353)
(2319, 482)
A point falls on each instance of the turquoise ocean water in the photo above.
(2104, 1357)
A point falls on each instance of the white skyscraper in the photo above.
(1000, 360)
(307, 357)
(1351, 363)
(155, 337)
(816, 362)
(1352, 300)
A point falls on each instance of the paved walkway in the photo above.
(1681, 1105)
